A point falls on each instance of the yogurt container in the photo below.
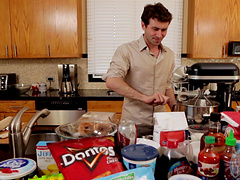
(139, 155)
(17, 168)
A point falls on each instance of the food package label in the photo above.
(169, 125)
(45, 161)
(141, 173)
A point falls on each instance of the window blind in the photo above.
(111, 23)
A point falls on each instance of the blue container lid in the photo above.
(139, 152)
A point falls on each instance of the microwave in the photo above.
(7, 79)
(234, 48)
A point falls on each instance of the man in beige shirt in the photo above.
(141, 71)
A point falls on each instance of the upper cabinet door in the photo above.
(5, 30)
(208, 28)
(63, 30)
(28, 29)
(235, 21)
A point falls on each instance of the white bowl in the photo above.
(22, 88)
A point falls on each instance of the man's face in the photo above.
(155, 31)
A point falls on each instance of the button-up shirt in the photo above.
(144, 72)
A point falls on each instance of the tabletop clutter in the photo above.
(98, 146)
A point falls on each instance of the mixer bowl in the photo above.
(200, 111)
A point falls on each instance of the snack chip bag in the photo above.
(86, 158)
(142, 173)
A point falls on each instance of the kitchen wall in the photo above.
(36, 70)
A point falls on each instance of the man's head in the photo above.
(156, 11)
(155, 21)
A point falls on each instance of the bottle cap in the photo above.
(230, 140)
(172, 143)
(215, 117)
(209, 139)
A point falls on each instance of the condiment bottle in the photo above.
(215, 130)
(208, 161)
(172, 162)
(225, 157)
(126, 133)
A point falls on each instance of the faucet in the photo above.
(18, 139)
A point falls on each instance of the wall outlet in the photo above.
(50, 79)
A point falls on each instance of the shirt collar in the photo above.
(143, 45)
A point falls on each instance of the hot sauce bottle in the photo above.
(215, 130)
(208, 161)
(226, 158)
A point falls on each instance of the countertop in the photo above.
(87, 94)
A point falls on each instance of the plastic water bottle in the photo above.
(126, 134)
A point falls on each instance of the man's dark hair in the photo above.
(156, 11)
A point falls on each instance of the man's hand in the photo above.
(156, 99)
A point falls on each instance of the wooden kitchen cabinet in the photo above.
(11, 108)
(28, 29)
(41, 28)
(208, 28)
(235, 21)
(5, 30)
(63, 29)
(106, 106)
(211, 25)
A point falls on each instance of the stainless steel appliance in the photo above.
(199, 75)
(7, 79)
(61, 111)
(67, 77)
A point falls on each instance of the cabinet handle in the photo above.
(16, 106)
(15, 50)
(48, 50)
(6, 50)
(224, 51)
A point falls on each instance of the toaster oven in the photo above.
(7, 79)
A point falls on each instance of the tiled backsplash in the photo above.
(37, 70)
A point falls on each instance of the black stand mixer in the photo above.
(198, 76)
(226, 75)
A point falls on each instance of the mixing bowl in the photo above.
(22, 88)
(81, 129)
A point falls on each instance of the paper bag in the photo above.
(169, 125)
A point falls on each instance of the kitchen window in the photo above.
(111, 23)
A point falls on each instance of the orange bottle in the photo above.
(215, 130)
(226, 160)
(208, 161)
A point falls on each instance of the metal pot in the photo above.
(198, 110)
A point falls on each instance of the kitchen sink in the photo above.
(39, 136)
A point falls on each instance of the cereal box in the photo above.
(45, 161)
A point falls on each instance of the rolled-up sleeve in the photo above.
(119, 65)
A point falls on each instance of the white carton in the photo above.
(45, 161)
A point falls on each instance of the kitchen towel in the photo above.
(5, 122)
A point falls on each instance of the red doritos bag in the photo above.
(87, 158)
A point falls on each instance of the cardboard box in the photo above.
(45, 161)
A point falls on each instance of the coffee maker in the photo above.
(67, 77)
